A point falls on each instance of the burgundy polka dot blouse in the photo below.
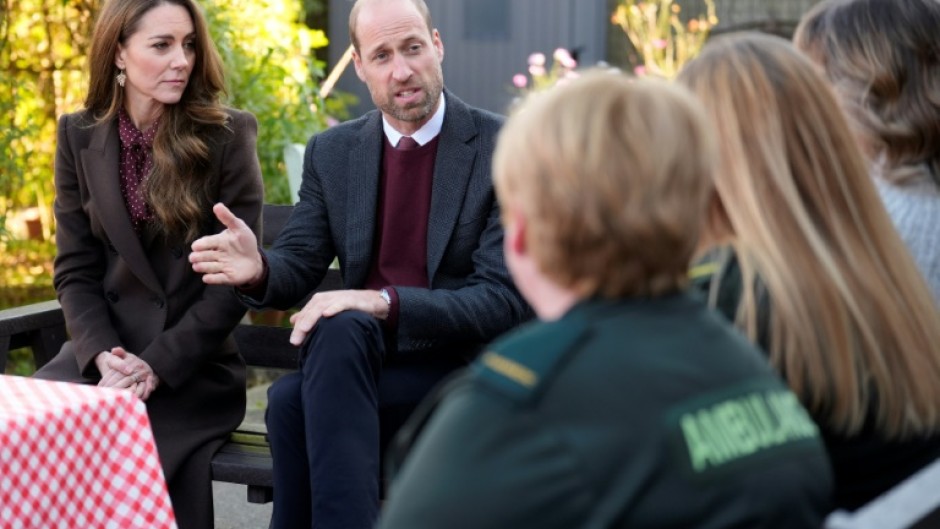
(136, 163)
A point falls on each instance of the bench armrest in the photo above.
(913, 503)
(40, 326)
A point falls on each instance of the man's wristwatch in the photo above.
(385, 295)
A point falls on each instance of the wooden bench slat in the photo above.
(263, 346)
(248, 438)
(246, 459)
(273, 219)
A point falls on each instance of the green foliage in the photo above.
(9, 177)
(42, 48)
(42, 45)
(25, 272)
(658, 34)
(272, 73)
(316, 7)
(20, 362)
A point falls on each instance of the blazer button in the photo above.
(111, 248)
(159, 302)
(176, 251)
(112, 296)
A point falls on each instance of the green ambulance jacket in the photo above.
(641, 413)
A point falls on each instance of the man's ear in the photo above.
(357, 64)
(438, 45)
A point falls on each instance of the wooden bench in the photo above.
(245, 458)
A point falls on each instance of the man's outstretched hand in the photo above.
(230, 257)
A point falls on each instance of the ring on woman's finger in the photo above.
(135, 378)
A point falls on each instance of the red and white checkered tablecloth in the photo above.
(74, 456)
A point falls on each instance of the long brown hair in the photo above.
(177, 189)
(883, 58)
(853, 326)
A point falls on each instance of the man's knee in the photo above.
(349, 324)
(350, 337)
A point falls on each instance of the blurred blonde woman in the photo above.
(883, 58)
(811, 267)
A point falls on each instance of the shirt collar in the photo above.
(131, 135)
(428, 132)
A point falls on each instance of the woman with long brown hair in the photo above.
(812, 268)
(882, 57)
(137, 172)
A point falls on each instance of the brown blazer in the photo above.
(118, 289)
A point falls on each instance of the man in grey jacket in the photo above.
(403, 197)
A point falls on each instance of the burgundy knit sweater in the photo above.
(400, 242)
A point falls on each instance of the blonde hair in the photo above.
(177, 188)
(883, 59)
(612, 176)
(853, 326)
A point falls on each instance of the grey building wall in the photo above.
(769, 14)
(486, 42)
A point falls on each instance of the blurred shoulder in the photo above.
(80, 118)
(241, 119)
(521, 365)
(78, 130)
(483, 120)
(352, 127)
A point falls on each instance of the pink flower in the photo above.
(537, 59)
(536, 70)
(660, 44)
(563, 57)
(519, 80)
(640, 70)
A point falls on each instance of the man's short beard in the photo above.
(415, 114)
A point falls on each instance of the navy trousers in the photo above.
(329, 422)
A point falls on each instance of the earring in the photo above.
(121, 77)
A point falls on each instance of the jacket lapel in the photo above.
(100, 162)
(362, 198)
(452, 172)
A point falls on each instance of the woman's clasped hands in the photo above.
(123, 370)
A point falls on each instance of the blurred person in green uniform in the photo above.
(629, 404)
